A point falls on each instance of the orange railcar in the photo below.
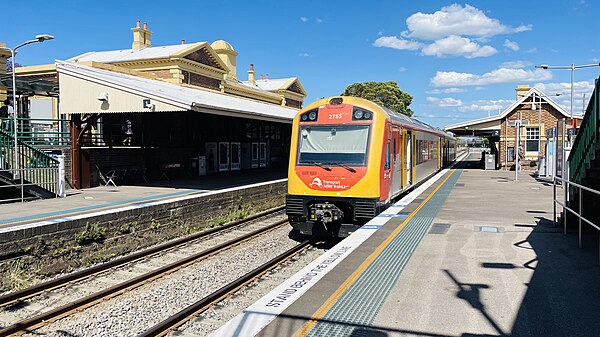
(351, 158)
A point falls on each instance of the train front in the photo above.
(333, 176)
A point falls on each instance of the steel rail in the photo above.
(60, 281)
(35, 322)
(164, 327)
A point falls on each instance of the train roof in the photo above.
(412, 122)
(395, 116)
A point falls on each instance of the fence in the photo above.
(579, 212)
(39, 132)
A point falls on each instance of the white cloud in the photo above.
(402, 69)
(511, 45)
(515, 64)
(452, 31)
(456, 20)
(493, 106)
(564, 89)
(446, 91)
(303, 19)
(458, 46)
(304, 55)
(445, 102)
(500, 75)
(532, 50)
(319, 20)
(396, 43)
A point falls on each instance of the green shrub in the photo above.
(93, 233)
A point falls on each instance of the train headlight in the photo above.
(359, 114)
(310, 116)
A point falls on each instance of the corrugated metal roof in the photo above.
(271, 84)
(179, 96)
(127, 55)
(511, 108)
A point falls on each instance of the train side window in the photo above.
(387, 156)
(395, 150)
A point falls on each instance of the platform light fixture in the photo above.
(38, 38)
(572, 67)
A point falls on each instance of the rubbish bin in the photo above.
(490, 161)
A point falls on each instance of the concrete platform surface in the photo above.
(481, 259)
(79, 202)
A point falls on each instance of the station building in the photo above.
(167, 111)
(539, 115)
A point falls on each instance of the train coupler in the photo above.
(325, 213)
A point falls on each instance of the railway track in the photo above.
(37, 321)
(173, 322)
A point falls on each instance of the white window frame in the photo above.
(528, 137)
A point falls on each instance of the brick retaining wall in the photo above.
(50, 249)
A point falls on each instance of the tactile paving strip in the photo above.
(356, 309)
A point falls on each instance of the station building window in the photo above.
(532, 139)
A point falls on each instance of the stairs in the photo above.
(37, 172)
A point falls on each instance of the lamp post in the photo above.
(572, 67)
(38, 38)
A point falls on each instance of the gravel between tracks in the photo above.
(225, 310)
(135, 311)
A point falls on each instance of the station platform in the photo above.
(469, 253)
(110, 198)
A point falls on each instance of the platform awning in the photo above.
(27, 85)
(81, 87)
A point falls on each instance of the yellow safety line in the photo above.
(342, 289)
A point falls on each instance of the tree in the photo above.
(9, 65)
(387, 94)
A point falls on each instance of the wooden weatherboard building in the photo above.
(539, 114)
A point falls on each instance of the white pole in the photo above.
(572, 80)
(16, 173)
(60, 180)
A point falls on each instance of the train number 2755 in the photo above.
(335, 116)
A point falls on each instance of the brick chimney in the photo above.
(141, 36)
(266, 77)
(228, 55)
(4, 56)
(251, 75)
(522, 89)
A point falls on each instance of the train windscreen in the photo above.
(333, 144)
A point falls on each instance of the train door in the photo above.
(439, 152)
(396, 162)
(408, 159)
(413, 168)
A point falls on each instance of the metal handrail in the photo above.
(579, 213)
(39, 131)
(26, 164)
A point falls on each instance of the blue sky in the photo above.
(459, 60)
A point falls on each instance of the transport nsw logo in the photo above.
(316, 182)
(328, 184)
